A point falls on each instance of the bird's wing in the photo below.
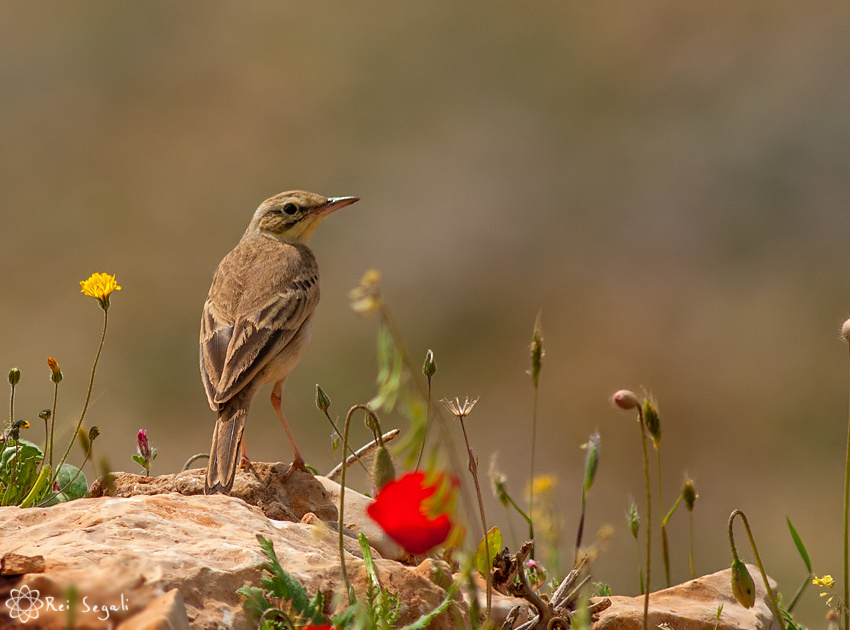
(262, 293)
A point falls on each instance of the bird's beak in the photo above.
(335, 203)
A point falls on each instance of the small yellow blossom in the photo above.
(100, 286)
(826, 580)
(543, 483)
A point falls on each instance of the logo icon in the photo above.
(24, 603)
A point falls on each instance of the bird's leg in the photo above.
(244, 462)
(298, 461)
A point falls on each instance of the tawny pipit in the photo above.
(257, 320)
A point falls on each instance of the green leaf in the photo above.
(800, 546)
(425, 620)
(282, 585)
(255, 603)
(494, 537)
(78, 488)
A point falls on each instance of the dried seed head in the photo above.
(845, 330)
(689, 494)
(14, 376)
(429, 368)
(743, 587)
(653, 423)
(322, 400)
(459, 409)
(625, 399)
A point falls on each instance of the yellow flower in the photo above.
(100, 286)
(366, 297)
(543, 483)
(826, 580)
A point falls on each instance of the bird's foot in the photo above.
(244, 463)
(297, 464)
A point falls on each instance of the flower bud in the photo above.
(429, 368)
(591, 460)
(653, 423)
(45, 414)
(14, 376)
(634, 519)
(55, 372)
(845, 330)
(322, 400)
(143, 444)
(383, 470)
(689, 494)
(625, 399)
(743, 587)
(93, 433)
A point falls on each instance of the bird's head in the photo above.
(292, 216)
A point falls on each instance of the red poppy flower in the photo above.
(405, 510)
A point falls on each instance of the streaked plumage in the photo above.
(257, 321)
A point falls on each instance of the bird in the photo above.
(257, 321)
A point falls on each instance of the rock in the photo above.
(281, 496)
(357, 520)
(693, 606)
(17, 564)
(122, 554)
(167, 612)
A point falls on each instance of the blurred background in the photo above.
(668, 183)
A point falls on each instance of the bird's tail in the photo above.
(224, 452)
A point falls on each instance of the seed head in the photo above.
(689, 494)
(625, 399)
(633, 518)
(591, 459)
(743, 587)
(459, 409)
(653, 423)
(14, 376)
(537, 352)
(45, 414)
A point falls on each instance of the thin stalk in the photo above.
(799, 592)
(427, 422)
(348, 589)
(72, 480)
(664, 549)
(770, 594)
(846, 506)
(88, 396)
(350, 450)
(691, 554)
(580, 525)
(473, 470)
(648, 519)
(531, 478)
(53, 420)
(12, 406)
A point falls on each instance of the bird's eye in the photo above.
(290, 208)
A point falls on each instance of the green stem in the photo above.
(12, 407)
(88, 397)
(799, 592)
(770, 594)
(648, 519)
(667, 518)
(53, 420)
(473, 469)
(580, 532)
(350, 450)
(348, 589)
(37, 487)
(427, 421)
(691, 555)
(531, 478)
(846, 506)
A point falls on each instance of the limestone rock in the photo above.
(121, 554)
(281, 496)
(167, 612)
(17, 564)
(693, 606)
